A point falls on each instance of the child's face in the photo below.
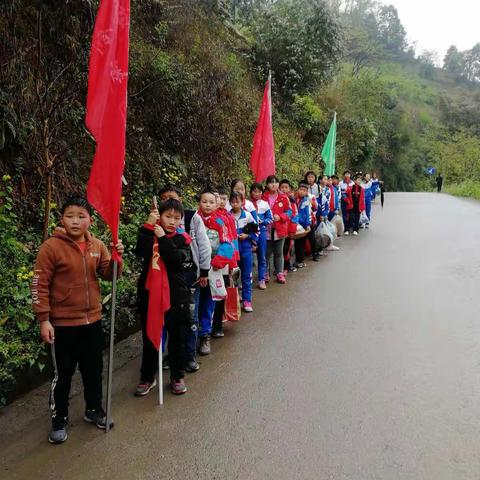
(236, 204)
(302, 192)
(170, 196)
(240, 188)
(256, 194)
(170, 220)
(324, 181)
(223, 200)
(334, 181)
(208, 203)
(358, 180)
(285, 188)
(347, 177)
(367, 177)
(76, 221)
(311, 179)
(273, 186)
(329, 182)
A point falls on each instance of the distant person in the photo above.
(439, 181)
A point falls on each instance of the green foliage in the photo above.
(467, 188)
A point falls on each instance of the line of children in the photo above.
(223, 233)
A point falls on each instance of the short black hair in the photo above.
(234, 182)
(221, 190)
(77, 201)
(334, 177)
(235, 195)
(271, 179)
(286, 182)
(311, 172)
(210, 190)
(170, 187)
(302, 184)
(256, 186)
(347, 171)
(171, 204)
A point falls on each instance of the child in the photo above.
(223, 258)
(238, 185)
(278, 230)
(162, 227)
(311, 180)
(286, 188)
(325, 200)
(264, 218)
(334, 197)
(247, 230)
(355, 205)
(304, 207)
(66, 301)
(344, 185)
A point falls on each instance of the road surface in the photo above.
(365, 366)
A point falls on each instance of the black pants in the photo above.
(220, 308)
(300, 250)
(80, 346)
(353, 220)
(176, 323)
(315, 248)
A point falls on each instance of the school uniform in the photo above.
(334, 202)
(304, 217)
(355, 205)
(242, 221)
(344, 186)
(264, 218)
(292, 229)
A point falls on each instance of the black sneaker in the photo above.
(58, 433)
(98, 417)
(218, 333)
(192, 366)
(165, 364)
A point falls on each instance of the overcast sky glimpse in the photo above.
(437, 24)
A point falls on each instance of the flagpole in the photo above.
(110, 349)
(160, 371)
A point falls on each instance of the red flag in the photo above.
(158, 298)
(262, 161)
(107, 109)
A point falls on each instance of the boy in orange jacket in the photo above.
(66, 300)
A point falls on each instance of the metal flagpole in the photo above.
(110, 350)
(160, 371)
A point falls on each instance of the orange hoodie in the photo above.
(65, 288)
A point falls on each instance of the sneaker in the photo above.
(300, 265)
(143, 388)
(367, 225)
(346, 233)
(98, 417)
(262, 285)
(292, 268)
(281, 278)
(204, 348)
(218, 333)
(58, 433)
(247, 307)
(192, 366)
(165, 364)
(178, 387)
(316, 258)
(236, 275)
(333, 248)
(355, 232)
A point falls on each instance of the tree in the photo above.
(472, 64)
(454, 61)
(391, 31)
(428, 59)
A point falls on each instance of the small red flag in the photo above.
(158, 297)
(262, 161)
(107, 109)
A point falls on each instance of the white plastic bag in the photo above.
(323, 235)
(337, 220)
(332, 229)
(217, 284)
(363, 219)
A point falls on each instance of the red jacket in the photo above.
(283, 209)
(353, 191)
(292, 227)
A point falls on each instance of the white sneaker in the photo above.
(333, 248)
(355, 233)
(367, 225)
(347, 233)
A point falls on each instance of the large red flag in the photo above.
(262, 161)
(107, 109)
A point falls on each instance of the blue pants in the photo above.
(262, 255)
(345, 213)
(368, 207)
(246, 267)
(206, 307)
(330, 216)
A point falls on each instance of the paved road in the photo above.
(363, 367)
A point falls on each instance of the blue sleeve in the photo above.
(267, 217)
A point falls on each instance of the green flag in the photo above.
(328, 151)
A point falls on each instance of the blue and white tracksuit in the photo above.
(336, 201)
(343, 199)
(245, 248)
(304, 215)
(264, 218)
(323, 203)
(370, 190)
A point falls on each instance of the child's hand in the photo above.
(243, 236)
(119, 247)
(203, 281)
(276, 218)
(154, 217)
(159, 231)
(47, 332)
